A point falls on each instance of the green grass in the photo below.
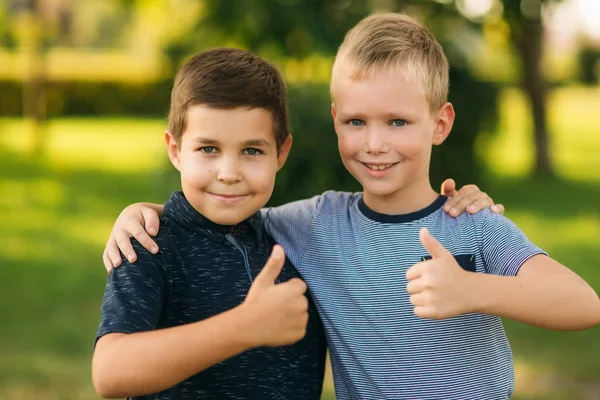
(57, 212)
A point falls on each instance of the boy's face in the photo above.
(228, 160)
(385, 132)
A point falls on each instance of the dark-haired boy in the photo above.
(203, 319)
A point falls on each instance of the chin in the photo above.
(228, 219)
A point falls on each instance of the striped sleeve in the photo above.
(290, 225)
(504, 247)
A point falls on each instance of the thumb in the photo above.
(272, 268)
(448, 187)
(432, 246)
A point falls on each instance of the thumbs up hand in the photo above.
(279, 311)
(438, 288)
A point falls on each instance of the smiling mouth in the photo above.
(229, 198)
(378, 167)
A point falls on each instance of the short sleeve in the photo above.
(290, 225)
(504, 246)
(133, 296)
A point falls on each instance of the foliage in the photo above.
(57, 215)
(589, 61)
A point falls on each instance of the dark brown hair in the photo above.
(226, 78)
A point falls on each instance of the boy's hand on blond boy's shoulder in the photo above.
(139, 221)
(278, 312)
(438, 287)
(469, 198)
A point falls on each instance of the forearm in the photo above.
(149, 362)
(550, 301)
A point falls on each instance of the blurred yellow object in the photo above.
(65, 64)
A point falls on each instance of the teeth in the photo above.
(378, 167)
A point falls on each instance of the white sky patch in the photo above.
(589, 14)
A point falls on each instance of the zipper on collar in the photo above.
(240, 246)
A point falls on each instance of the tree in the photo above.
(34, 85)
(526, 32)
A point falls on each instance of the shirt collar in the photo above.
(398, 218)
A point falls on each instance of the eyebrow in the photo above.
(251, 142)
(257, 142)
(405, 114)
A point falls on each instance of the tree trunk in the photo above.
(528, 38)
(34, 85)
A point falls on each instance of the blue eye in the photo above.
(399, 122)
(208, 149)
(356, 122)
(252, 151)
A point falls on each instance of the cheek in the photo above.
(261, 175)
(196, 173)
(348, 144)
(413, 146)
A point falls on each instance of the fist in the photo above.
(438, 287)
(279, 311)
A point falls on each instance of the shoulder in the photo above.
(174, 237)
(487, 221)
(476, 221)
(339, 201)
(167, 242)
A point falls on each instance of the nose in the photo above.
(375, 142)
(229, 171)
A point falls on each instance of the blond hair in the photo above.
(386, 41)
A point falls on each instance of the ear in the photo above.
(284, 151)
(333, 113)
(172, 149)
(444, 119)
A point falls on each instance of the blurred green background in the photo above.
(84, 94)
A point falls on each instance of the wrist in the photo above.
(248, 324)
(475, 292)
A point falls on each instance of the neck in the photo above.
(403, 201)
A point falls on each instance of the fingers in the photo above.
(151, 222)
(415, 271)
(295, 285)
(415, 286)
(112, 252)
(452, 205)
(430, 243)
(423, 307)
(123, 242)
(272, 268)
(418, 300)
(107, 263)
(479, 201)
(498, 209)
(140, 234)
(448, 187)
(479, 204)
(426, 312)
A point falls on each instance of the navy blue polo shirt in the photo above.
(203, 269)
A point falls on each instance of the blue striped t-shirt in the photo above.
(355, 260)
